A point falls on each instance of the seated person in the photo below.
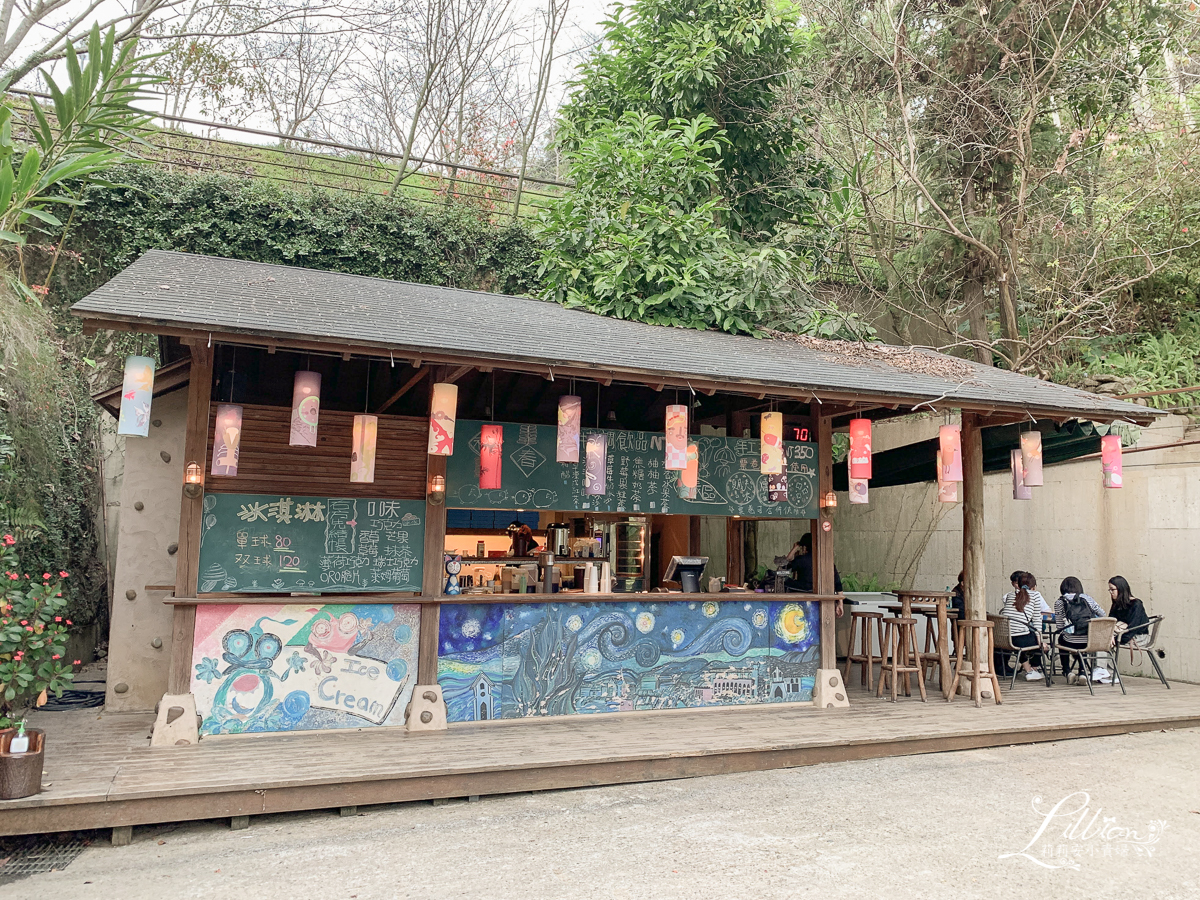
(1074, 609)
(1040, 603)
(1129, 611)
(958, 598)
(1024, 616)
(800, 561)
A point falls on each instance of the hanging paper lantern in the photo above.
(771, 428)
(677, 438)
(362, 452)
(569, 414)
(689, 478)
(1031, 457)
(137, 389)
(947, 490)
(860, 450)
(1110, 460)
(777, 488)
(1021, 491)
(227, 440)
(442, 410)
(596, 467)
(950, 444)
(306, 405)
(491, 460)
(858, 491)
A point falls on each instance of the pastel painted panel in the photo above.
(677, 438)
(596, 465)
(570, 409)
(227, 440)
(362, 451)
(302, 667)
(306, 408)
(442, 412)
(1031, 458)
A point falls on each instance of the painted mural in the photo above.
(510, 661)
(297, 667)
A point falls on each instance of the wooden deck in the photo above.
(101, 773)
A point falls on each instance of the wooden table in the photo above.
(941, 599)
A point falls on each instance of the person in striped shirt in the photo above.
(1023, 609)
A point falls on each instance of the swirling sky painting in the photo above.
(506, 661)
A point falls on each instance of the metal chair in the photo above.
(1147, 642)
(1099, 643)
(1003, 638)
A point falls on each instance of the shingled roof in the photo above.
(181, 293)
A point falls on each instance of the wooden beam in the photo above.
(191, 512)
(431, 581)
(823, 543)
(974, 581)
(457, 374)
(735, 563)
(412, 382)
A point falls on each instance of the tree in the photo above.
(635, 238)
(730, 60)
(976, 149)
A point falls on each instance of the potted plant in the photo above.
(33, 640)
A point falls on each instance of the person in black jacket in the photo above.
(1128, 609)
(800, 561)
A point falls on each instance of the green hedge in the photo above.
(254, 220)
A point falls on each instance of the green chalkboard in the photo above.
(729, 484)
(264, 543)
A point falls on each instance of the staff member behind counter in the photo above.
(800, 561)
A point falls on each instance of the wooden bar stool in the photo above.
(869, 627)
(977, 636)
(931, 656)
(900, 656)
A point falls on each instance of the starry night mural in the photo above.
(550, 659)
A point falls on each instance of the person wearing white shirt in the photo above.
(1023, 609)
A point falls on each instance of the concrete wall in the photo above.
(1148, 531)
(137, 669)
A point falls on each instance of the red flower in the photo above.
(77, 662)
(63, 575)
(55, 656)
(13, 575)
(24, 621)
(9, 540)
(29, 628)
(18, 654)
(68, 621)
(58, 618)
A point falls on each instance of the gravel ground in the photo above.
(921, 826)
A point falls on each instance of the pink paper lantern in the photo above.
(771, 429)
(677, 438)
(491, 458)
(570, 410)
(443, 408)
(689, 478)
(1031, 458)
(860, 449)
(1021, 491)
(947, 490)
(1110, 460)
(306, 405)
(950, 445)
(137, 391)
(227, 440)
(858, 491)
(362, 452)
(596, 465)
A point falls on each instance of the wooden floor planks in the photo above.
(100, 771)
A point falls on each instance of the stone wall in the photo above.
(1148, 531)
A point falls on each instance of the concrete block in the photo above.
(176, 724)
(829, 692)
(426, 711)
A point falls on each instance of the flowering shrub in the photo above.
(33, 636)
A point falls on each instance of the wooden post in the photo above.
(191, 510)
(735, 564)
(974, 583)
(823, 544)
(431, 582)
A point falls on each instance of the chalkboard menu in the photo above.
(265, 543)
(729, 479)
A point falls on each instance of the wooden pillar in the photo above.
(974, 583)
(735, 563)
(433, 572)
(693, 535)
(191, 510)
(823, 543)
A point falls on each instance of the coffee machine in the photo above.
(558, 540)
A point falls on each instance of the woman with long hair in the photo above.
(1128, 610)
(1024, 614)
(1073, 610)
